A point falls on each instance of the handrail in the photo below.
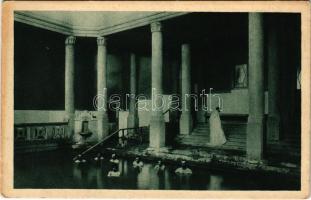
(98, 143)
(167, 111)
(105, 139)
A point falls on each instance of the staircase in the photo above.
(236, 139)
(235, 133)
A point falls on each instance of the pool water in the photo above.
(56, 170)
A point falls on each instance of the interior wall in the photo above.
(289, 32)
(38, 68)
(40, 54)
(39, 116)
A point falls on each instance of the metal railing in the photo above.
(168, 110)
(122, 130)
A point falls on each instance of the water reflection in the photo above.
(64, 173)
(147, 177)
(215, 182)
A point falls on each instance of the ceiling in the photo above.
(90, 23)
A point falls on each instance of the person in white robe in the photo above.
(217, 136)
(114, 172)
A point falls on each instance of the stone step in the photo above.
(230, 142)
(232, 133)
(195, 139)
(200, 132)
(234, 136)
(204, 139)
(225, 127)
(237, 140)
(235, 133)
(226, 146)
(201, 127)
(235, 130)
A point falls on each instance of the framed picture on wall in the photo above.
(240, 76)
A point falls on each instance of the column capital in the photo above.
(70, 40)
(101, 41)
(156, 27)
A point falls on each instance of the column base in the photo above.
(157, 132)
(273, 128)
(102, 126)
(157, 151)
(254, 138)
(185, 124)
(71, 124)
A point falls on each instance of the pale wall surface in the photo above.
(144, 114)
(38, 116)
(234, 102)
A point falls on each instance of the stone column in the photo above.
(132, 119)
(157, 124)
(255, 126)
(185, 123)
(273, 121)
(102, 123)
(69, 82)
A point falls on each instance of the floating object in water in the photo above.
(159, 166)
(99, 156)
(114, 172)
(183, 169)
(180, 170)
(114, 159)
(138, 163)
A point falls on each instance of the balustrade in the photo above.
(41, 132)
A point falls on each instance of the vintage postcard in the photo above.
(156, 99)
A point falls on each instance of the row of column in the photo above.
(157, 124)
(255, 126)
(102, 124)
(256, 122)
